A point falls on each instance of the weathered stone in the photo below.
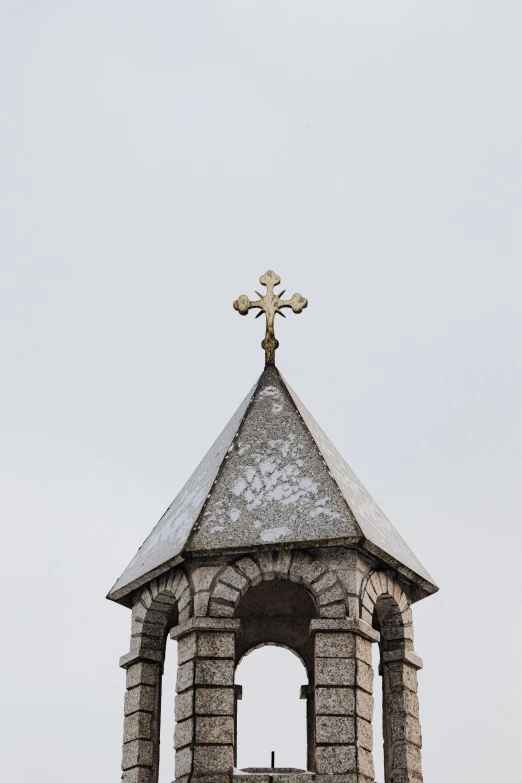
(201, 602)
(183, 763)
(139, 698)
(137, 753)
(203, 576)
(250, 569)
(184, 705)
(183, 733)
(137, 726)
(215, 701)
(186, 648)
(335, 729)
(364, 734)
(142, 673)
(137, 775)
(336, 759)
(365, 763)
(364, 705)
(226, 593)
(333, 610)
(185, 676)
(214, 672)
(406, 756)
(335, 645)
(326, 581)
(364, 676)
(234, 579)
(213, 758)
(335, 701)
(334, 671)
(218, 609)
(216, 645)
(216, 730)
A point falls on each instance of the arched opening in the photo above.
(270, 716)
(276, 614)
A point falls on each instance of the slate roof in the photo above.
(272, 479)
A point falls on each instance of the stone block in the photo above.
(364, 705)
(186, 648)
(364, 734)
(333, 610)
(234, 579)
(185, 676)
(201, 601)
(142, 673)
(364, 676)
(184, 599)
(325, 582)
(334, 671)
(225, 593)
(137, 726)
(405, 728)
(250, 569)
(406, 756)
(350, 778)
(215, 701)
(283, 562)
(184, 705)
(335, 645)
(335, 759)
(183, 762)
(140, 698)
(403, 701)
(214, 671)
(137, 753)
(363, 650)
(213, 759)
(401, 676)
(216, 730)
(203, 576)
(183, 733)
(365, 763)
(216, 645)
(137, 775)
(335, 730)
(221, 610)
(300, 562)
(335, 701)
(331, 596)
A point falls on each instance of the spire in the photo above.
(271, 304)
(272, 479)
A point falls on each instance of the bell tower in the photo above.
(273, 539)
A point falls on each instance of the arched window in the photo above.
(276, 614)
(271, 716)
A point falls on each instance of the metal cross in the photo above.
(270, 304)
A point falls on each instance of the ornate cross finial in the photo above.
(271, 303)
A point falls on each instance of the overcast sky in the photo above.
(155, 159)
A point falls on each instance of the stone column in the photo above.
(343, 700)
(142, 717)
(205, 700)
(401, 726)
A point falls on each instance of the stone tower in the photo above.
(273, 540)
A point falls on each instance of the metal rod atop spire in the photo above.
(271, 304)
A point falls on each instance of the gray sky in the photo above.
(155, 159)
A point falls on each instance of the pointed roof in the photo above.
(272, 478)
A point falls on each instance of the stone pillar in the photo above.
(205, 700)
(401, 726)
(142, 718)
(343, 700)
